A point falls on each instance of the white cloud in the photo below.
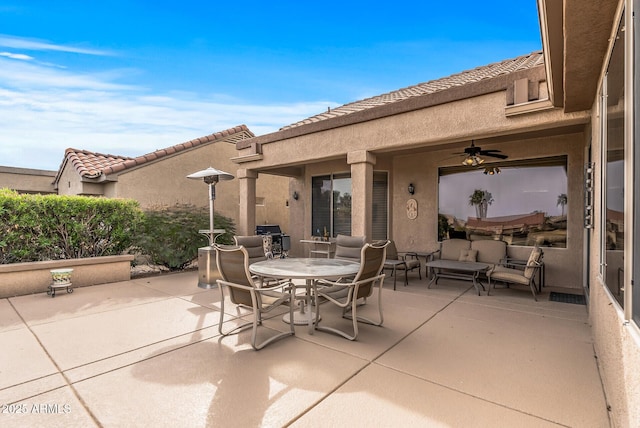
(16, 56)
(32, 75)
(43, 111)
(41, 45)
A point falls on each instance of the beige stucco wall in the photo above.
(164, 183)
(411, 146)
(617, 342)
(70, 183)
(454, 122)
(17, 279)
(25, 180)
(563, 265)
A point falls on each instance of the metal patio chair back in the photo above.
(233, 265)
(346, 294)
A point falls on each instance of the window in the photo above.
(321, 201)
(331, 205)
(524, 204)
(613, 231)
(380, 206)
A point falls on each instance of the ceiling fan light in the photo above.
(491, 170)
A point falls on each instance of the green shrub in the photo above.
(53, 227)
(169, 235)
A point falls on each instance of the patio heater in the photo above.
(207, 270)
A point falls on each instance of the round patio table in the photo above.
(309, 269)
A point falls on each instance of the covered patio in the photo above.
(146, 352)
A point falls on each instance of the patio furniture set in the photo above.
(473, 260)
(347, 280)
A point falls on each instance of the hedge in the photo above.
(54, 227)
(169, 235)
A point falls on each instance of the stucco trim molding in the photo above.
(361, 156)
(530, 107)
(247, 158)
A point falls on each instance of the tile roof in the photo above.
(93, 165)
(480, 73)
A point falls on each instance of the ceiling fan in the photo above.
(472, 155)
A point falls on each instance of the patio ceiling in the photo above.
(575, 37)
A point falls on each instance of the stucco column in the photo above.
(362, 163)
(247, 195)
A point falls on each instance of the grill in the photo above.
(280, 242)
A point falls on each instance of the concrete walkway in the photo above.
(146, 352)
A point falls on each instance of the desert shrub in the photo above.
(53, 227)
(169, 235)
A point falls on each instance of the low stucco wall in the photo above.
(18, 279)
(617, 345)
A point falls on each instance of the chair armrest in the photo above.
(411, 254)
(327, 283)
(272, 283)
(283, 285)
(254, 289)
(339, 283)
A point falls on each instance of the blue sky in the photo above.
(131, 77)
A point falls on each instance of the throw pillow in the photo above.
(468, 255)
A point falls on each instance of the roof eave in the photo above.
(456, 93)
(586, 34)
(550, 16)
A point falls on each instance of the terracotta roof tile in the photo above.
(480, 73)
(93, 165)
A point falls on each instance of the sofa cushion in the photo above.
(490, 251)
(501, 273)
(534, 257)
(468, 255)
(450, 248)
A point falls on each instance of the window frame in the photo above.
(482, 227)
(381, 202)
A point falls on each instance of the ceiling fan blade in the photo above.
(484, 152)
(496, 155)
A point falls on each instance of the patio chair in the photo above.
(348, 247)
(401, 262)
(524, 276)
(346, 294)
(254, 244)
(233, 264)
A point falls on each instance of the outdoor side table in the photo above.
(428, 257)
(322, 248)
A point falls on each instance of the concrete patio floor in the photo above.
(146, 352)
